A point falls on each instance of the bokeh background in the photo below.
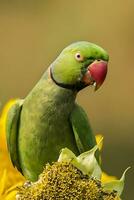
(32, 34)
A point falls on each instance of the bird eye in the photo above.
(79, 57)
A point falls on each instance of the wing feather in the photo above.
(85, 139)
(12, 124)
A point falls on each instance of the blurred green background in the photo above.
(32, 34)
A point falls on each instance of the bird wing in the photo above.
(84, 136)
(12, 124)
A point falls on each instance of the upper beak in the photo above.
(96, 73)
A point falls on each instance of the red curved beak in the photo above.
(96, 73)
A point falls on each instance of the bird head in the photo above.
(79, 65)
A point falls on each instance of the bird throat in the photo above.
(73, 87)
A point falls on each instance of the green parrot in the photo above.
(49, 119)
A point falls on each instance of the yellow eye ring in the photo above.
(79, 57)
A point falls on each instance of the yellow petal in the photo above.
(11, 195)
(98, 139)
(106, 178)
(3, 182)
(3, 123)
(14, 187)
(11, 192)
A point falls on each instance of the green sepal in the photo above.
(117, 185)
(85, 162)
(66, 155)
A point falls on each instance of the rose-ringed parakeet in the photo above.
(48, 119)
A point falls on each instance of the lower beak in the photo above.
(96, 73)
